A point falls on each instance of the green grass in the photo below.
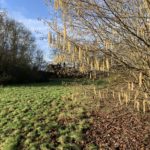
(43, 116)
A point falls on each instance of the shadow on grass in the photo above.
(63, 82)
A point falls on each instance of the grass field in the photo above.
(69, 115)
(43, 117)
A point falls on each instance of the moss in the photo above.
(35, 110)
(68, 147)
(11, 143)
(27, 142)
(92, 147)
(63, 131)
(44, 147)
(76, 135)
(63, 139)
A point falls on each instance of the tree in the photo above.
(18, 51)
(39, 63)
(98, 35)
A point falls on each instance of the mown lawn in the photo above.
(43, 117)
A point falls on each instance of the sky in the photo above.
(28, 12)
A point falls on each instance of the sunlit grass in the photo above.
(42, 116)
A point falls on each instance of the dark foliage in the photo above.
(20, 60)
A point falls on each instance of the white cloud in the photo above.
(32, 24)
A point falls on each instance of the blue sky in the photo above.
(27, 12)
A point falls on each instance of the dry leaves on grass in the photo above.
(120, 129)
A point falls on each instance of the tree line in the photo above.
(20, 59)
